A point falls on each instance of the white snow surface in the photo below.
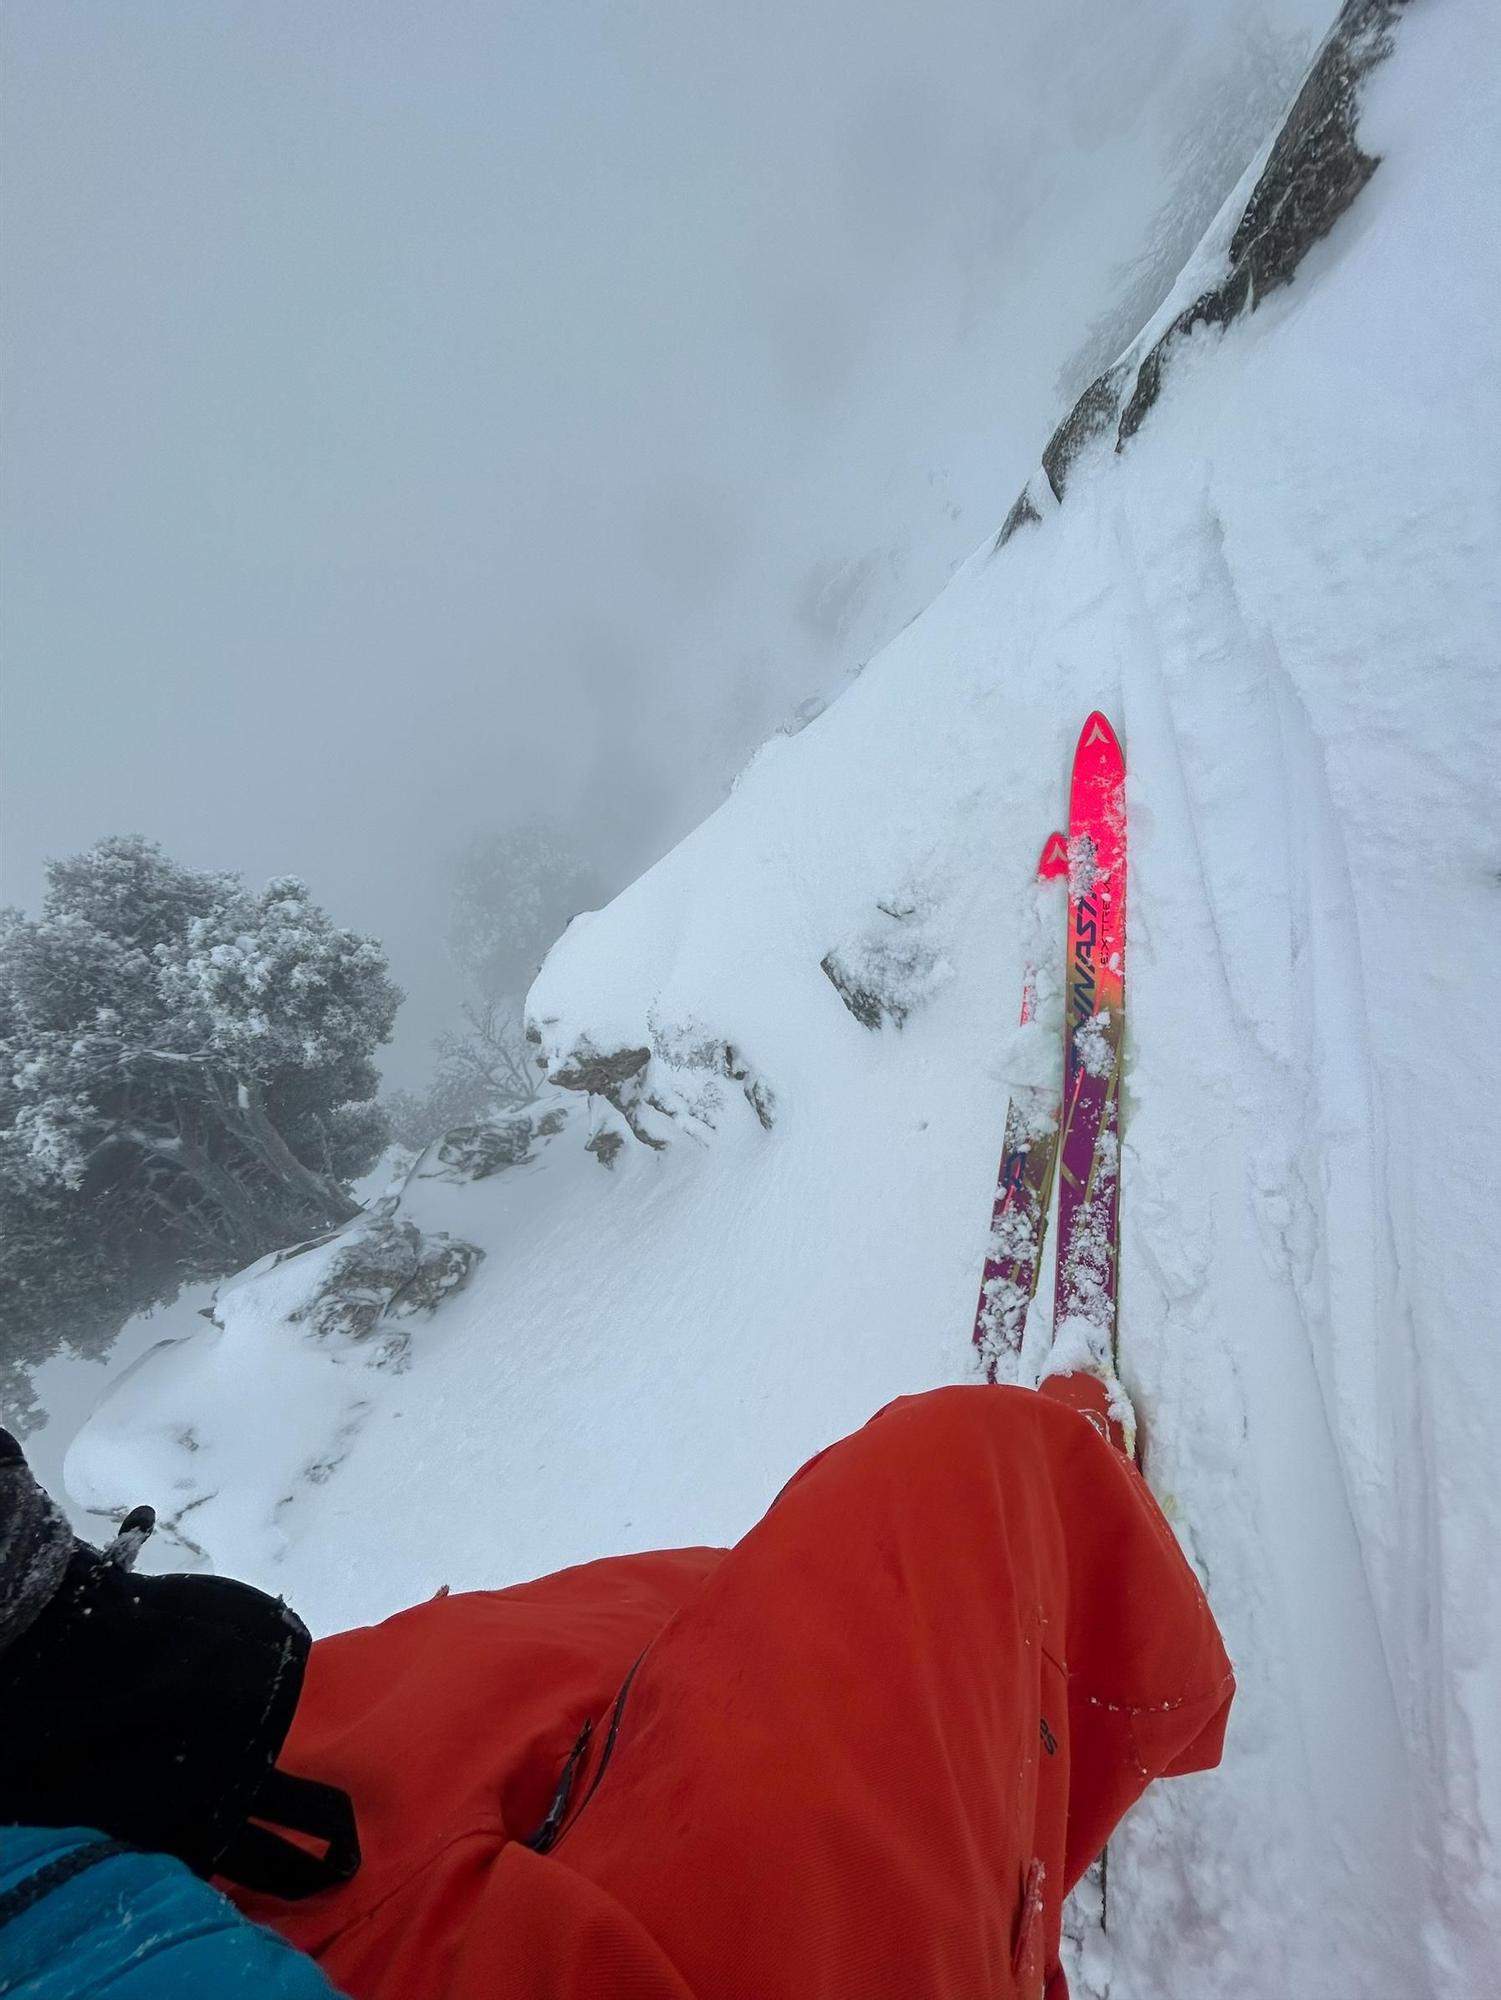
(1286, 592)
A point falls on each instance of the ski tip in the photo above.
(1053, 861)
(1098, 738)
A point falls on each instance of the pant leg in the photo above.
(872, 1752)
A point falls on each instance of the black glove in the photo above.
(154, 1707)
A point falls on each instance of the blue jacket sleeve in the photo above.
(82, 1917)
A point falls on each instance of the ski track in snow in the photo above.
(1287, 592)
(1197, 675)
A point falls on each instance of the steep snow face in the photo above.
(1286, 590)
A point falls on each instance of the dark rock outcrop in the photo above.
(755, 1089)
(1314, 171)
(388, 1270)
(606, 1146)
(868, 1006)
(1022, 512)
(475, 1152)
(1093, 414)
(890, 968)
(652, 1089)
(616, 1075)
(600, 1074)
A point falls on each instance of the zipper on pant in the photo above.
(548, 1831)
(559, 1819)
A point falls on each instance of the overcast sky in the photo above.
(417, 415)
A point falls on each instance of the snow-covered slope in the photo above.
(1286, 589)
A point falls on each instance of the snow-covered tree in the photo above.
(186, 1081)
(513, 894)
(482, 1069)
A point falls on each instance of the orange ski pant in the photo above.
(862, 1755)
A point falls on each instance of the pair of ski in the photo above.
(1072, 1132)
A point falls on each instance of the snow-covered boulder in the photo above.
(222, 1430)
(671, 1085)
(475, 1152)
(382, 1271)
(890, 965)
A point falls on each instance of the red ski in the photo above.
(1094, 1028)
(1019, 1219)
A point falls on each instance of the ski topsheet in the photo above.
(1084, 1304)
(1024, 1186)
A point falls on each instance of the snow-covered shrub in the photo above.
(483, 1068)
(186, 1082)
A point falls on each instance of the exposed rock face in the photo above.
(756, 1090)
(1022, 511)
(606, 1146)
(388, 1270)
(475, 1152)
(868, 1006)
(601, 1074)
(675, 1082)
(1315, 170)
(616, 1075)
(444, 1263)
(1093, 414)
(890, 968)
